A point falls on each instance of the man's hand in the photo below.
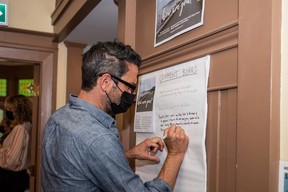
(176, 140)
(146, 150)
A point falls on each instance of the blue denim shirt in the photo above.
(81, 152)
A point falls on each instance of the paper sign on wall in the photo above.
(177, 95)
(283, 176)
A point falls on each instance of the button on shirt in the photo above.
(81, 151)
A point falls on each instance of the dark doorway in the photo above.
(20, 77)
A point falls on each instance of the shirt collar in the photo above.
(102, 117)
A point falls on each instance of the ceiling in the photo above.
(100, 25)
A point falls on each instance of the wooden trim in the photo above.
(22, 39)
(69, 16)
(275, 95)
(228, 28)
(59, 10)
(210, 44)
(223, 87)
(258, 128)
(25, 31)
(73, 44)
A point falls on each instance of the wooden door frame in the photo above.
(258, 115)
(37, 47)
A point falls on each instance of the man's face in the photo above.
(129, 79)
(125, 83)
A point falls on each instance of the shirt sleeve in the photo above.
(109, 168)
(12, 151)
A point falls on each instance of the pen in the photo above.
(164, 137)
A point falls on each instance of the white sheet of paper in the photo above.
(283, 176)
(180, 96)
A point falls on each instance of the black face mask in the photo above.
(127, 100)
(9, 115)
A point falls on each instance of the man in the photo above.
(81, 148)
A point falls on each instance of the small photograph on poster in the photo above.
(144, 117)
(175, 17)
(146, 95)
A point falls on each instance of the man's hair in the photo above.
(106, 57)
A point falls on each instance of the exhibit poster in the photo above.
(175, 17)
(175, 95)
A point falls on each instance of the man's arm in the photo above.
(177, 144)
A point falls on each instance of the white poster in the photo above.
(178, 95)
(283, 176)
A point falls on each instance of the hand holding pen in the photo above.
(176, 140)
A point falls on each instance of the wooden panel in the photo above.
(74, 62)
(258, 96)
(219, 15)
(215, 43)
(223, 70)
(221, 141)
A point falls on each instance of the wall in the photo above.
(61, 75)
(235, 36)
(284, 82)
(31, 15)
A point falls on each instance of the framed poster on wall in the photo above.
(175, 17)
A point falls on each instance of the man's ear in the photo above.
(104, 82)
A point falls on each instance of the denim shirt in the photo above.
(82, 152)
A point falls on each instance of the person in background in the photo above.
(4, 128)
(14, 149)
(81, 149)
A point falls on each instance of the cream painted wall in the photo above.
(31, 14)
(61, 75)
(284, 83)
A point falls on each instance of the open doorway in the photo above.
(21, 77)
(38, 49)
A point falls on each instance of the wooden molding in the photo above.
(68, 14)
(208, 44)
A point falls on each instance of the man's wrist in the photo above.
(176, 156)
(129, 154)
